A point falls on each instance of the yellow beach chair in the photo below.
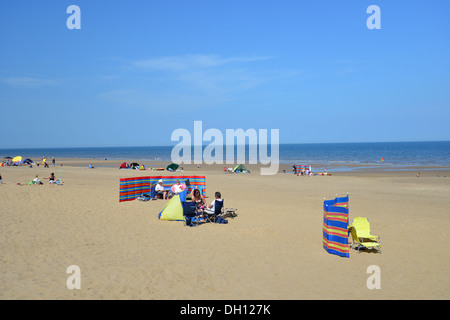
(362, 238)
(362, 225)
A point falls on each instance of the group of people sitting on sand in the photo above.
(305, 172)
(166, 193)
(51, 180)
(200, 204)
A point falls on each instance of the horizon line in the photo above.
(204, 145)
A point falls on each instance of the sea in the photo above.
(386, 155)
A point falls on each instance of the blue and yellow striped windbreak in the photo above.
(335, 226)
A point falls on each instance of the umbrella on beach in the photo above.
(17, 159)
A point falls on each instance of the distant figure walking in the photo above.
(418, 174)
(54, 162)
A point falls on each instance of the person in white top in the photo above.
(212, 207)
(160, 190)
(177, 187)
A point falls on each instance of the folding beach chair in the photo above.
(229, 212)
(362, 226)
(215, 216)
(360, 232)
(190, 217)
(188, 213)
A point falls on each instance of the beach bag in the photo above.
(144, 197)
(221, 220)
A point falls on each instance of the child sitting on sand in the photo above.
(36, 180)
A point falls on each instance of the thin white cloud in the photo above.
(195, 81)
(191, 62)
(29, 82)
(210, 74)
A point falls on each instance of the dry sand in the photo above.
(272, 250)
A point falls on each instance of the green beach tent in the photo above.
(172, 167)
(240, 168)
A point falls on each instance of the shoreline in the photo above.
(332, 168)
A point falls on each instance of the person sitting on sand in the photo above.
(36, 180)
(159, 188)
(199, 203)
(51, 179)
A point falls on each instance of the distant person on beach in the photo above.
(418, 174)
(160, 190)
(54, 162)
(0, 179)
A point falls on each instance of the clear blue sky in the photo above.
(137, 70)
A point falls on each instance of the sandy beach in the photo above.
(272, 250)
